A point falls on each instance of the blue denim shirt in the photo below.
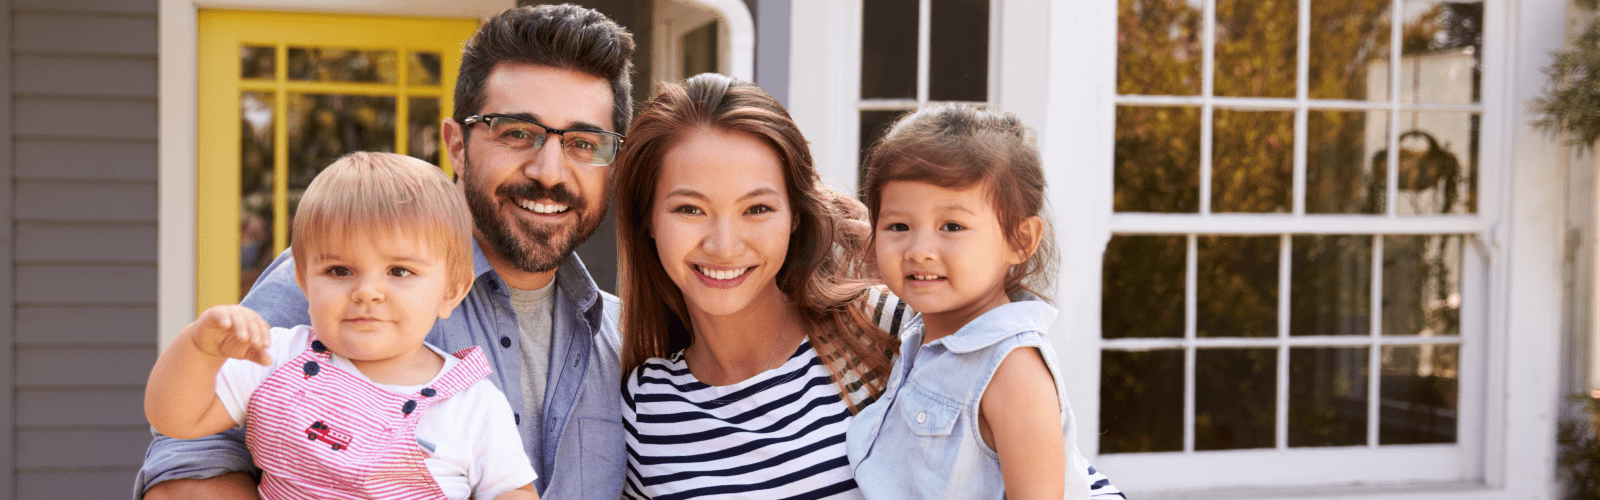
(576, 445)
(929, 414)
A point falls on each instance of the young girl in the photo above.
(976, 407)
(355, 405)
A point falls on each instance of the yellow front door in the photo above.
(284, 94)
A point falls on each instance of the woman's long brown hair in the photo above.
(822, 276)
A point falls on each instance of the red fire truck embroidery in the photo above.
(320, 430)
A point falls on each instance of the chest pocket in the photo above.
(926, 414)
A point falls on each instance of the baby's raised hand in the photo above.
(232, 332)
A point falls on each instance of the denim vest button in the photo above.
(922, 417)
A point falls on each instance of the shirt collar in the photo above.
(572, 278)
(1028, 314)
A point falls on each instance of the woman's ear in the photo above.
(1031, 233)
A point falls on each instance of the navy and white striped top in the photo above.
(779, 434)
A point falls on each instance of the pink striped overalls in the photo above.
(318, 431)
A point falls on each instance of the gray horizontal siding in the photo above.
(83, 140)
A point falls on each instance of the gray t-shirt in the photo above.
(534, 310)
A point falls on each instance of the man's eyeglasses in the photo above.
(590, 147)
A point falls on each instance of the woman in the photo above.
(747, 342)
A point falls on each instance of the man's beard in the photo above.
(528, 247)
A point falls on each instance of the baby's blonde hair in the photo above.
(363, 192)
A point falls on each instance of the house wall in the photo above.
(81, 167)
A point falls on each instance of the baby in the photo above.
(355, 405)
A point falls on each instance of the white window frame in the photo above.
(1514, 447)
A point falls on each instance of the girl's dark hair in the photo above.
(563, 36)
(958, 146)
(820, 275)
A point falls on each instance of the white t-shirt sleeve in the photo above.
(499, 463)
(239, 378)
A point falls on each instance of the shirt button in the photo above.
(505, 342)
(517, 417)
(922, 417)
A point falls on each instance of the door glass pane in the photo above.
(342, 65)
(257, 62)
(1235, 394)
(958, 50)
(324, 127)
(889, 49)
(422, 68)
(1252, 160)
(1441, 49)
(423, 126)
(700, 50)
(1237, 286)
(873, 125)
(1422, 285)
(1157, 159)
(1158, 47)
(1331, 285)
(1141, 401)
(1345, 158)
(1143, 285)
(1328, 396)
(1438, 163)
(1418, 394)
(1349, 50)
(1255, 48)
(256, 159)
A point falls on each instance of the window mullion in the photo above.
(1190, 308)
(1302, 81)
(1375, 353)
(924, 45)
(1208, 48)
(1282, 416)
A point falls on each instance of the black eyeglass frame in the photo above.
(562, 133)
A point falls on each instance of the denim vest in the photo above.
(576, 446)
(921, 439)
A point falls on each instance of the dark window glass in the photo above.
(1141, 401)
(1143, 286)
(1328, 396)
(1235, 394)
(1237, 286)
(1441, 52)
(423, 127)
(1345, 158)
(1157, 159)
(700, 50)
(889, 49)
(873, 125)
(958, 50)
(1255, 49)
(1418, 394)
(1422, 285)
(256, 163)
(342, 65)
(1438, 163)
(1330, 285)
(1252, 161)
(1158, 47)
(323, 127)
(422, 68)
(257, 62)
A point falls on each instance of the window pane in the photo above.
(422, 68)
(1143, 281)
(1237, 286)
(1141, 401)
(1331, 285)
(1157, 159)
(1345, 158)
(700, 50)
(1422, 285)
(1349, 50)
(1441, 45)
(1438, 163)
(1158, 47)
(423, 126)
(1235, 394)
(1255, 50)
(889, 49)
(958, 50)
(1418, 394)
(257, 62)
(341, 65)
(873, 125)
(256, 159)
(1328, 396)
(324, 127)
(1252, 161)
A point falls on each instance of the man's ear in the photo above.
(455, 144)
(1032, 232)
(458, 292)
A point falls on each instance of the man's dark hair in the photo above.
(562, 36)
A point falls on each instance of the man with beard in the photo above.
(542, 101)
